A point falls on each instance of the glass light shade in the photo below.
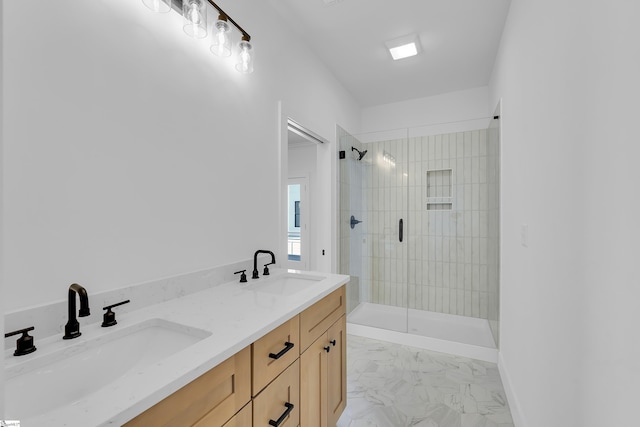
(158, 6)
(245, 58)
(221, 45)
(195, 18)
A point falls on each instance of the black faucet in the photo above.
(72, 328)
(255, 261)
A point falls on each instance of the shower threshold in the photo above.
(446, 333)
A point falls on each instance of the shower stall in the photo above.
(419, 236)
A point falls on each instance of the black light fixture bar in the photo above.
(177, 6)
(245, 35)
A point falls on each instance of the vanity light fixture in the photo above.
(245, 58)
(195, 25)
(403, 47)
(221, 45)
(195, 18)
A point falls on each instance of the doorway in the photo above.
(298, 223)
(303, 198)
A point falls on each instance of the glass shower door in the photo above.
(374, 189)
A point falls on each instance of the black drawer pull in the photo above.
(333, 342)
(287, 346)
(327, 349)
(284, 415)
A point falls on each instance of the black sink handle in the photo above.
(24, 344)
(284, 415)
(287, 346)
(109, 318)
(243, 276)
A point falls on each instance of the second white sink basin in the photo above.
(284, 284)
(51, 380)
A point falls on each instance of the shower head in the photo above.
(360, 153)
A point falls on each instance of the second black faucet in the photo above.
(72, 328)
(255, 261)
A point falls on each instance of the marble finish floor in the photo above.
(390, 385)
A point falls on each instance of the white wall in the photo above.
(452, 109)
(568, 76)
(132, 153)
(1, 203)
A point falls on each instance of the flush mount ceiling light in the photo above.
(195, 25)
(403, 47)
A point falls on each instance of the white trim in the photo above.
(514, 403)
(426, 130)
(300, 130)
(453, 127)
(283, 170)
(427, 343)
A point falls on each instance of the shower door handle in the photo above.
(400, 229)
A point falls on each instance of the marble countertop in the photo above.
(234, 313)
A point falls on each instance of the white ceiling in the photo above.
(459, 43)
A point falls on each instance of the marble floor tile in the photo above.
(390, 385)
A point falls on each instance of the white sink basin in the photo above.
(48, 381)
(284, 284)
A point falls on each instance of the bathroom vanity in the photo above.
(267, 352)
(293, 376)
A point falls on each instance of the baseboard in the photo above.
(427, 343)
(514, 403)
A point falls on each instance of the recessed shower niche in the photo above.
(439, 189)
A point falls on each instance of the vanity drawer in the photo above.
(216, 395)
(274, 352)
(275, 400)
(315, 320)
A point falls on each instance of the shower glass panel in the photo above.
(374, 190)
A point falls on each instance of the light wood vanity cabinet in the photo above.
(209, 400)
(287, 375)
(337, 371)
(323, 375)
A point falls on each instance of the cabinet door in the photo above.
(315, 320)
(241, 419)
(273, 403)
(218, 395)
(313, 384)
(337, 370)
